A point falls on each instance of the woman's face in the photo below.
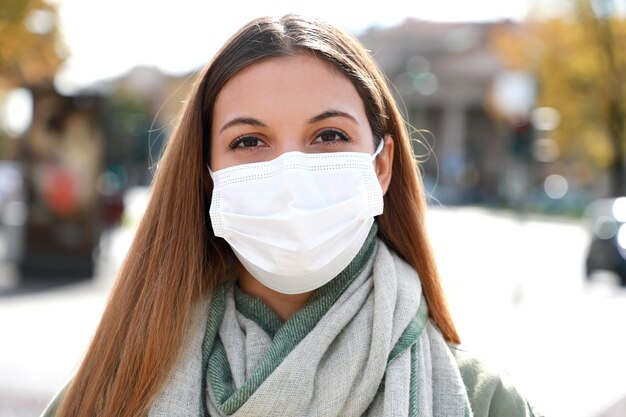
(296, 103)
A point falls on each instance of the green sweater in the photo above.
(491, 393)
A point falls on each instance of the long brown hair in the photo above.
(175, 259)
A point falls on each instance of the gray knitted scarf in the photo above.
(362, 346)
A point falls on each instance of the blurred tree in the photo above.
(579, 60)
(31, 51)
(30, 47)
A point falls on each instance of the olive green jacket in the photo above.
(491, 393)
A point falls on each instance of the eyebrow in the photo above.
(251, 121)
(332, 113)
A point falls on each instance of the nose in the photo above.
(288, 144)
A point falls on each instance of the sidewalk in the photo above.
(45, 329)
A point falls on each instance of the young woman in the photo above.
(282, 265)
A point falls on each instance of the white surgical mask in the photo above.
(297, 221)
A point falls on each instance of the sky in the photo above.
(106, 38)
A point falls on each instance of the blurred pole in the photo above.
(514, 95)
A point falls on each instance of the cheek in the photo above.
(219, 162)
(218, 157)
(217, 153)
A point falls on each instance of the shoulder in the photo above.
(491, 392)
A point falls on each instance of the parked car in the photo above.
(607, 249)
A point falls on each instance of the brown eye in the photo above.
(329, 136)
(245, 142)
(249, 142)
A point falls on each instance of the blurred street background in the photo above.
(518, 111)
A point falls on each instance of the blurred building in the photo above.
(477, 127)
(443, 74)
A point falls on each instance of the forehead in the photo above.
(291, 85)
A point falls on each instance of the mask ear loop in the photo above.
(210, 171)
(379, 148)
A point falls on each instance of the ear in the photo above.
(384, 163)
